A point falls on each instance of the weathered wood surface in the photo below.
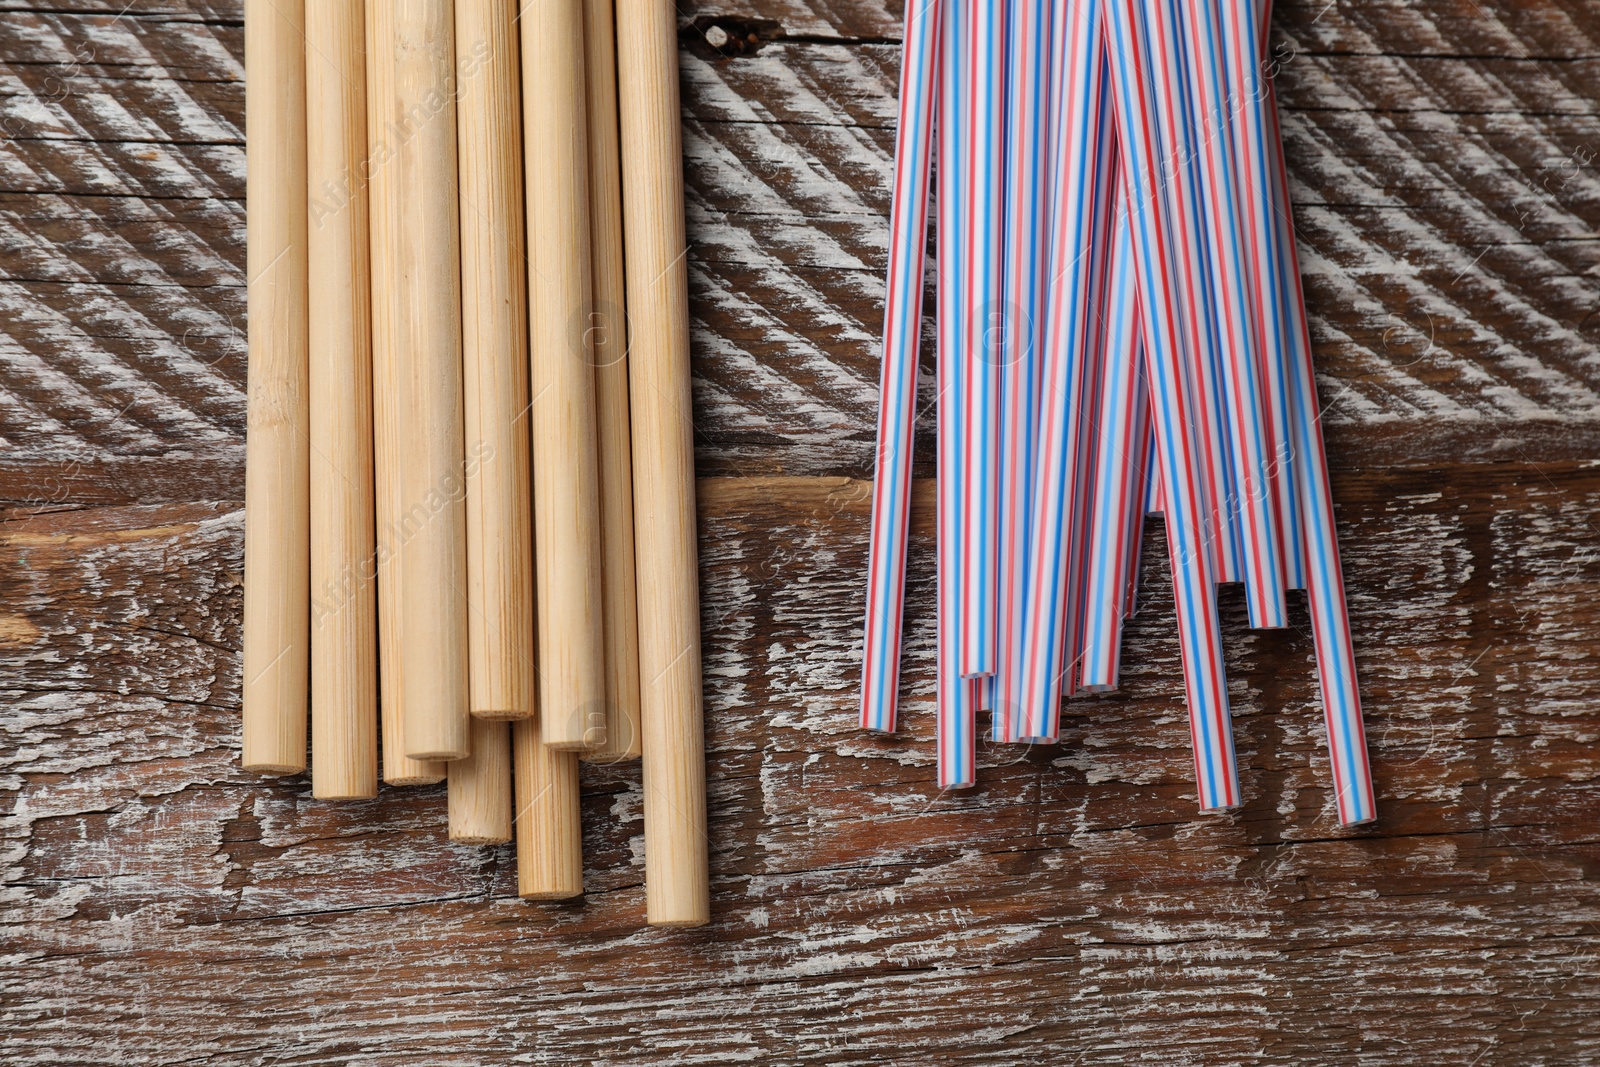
(162, 907)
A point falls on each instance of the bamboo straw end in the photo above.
(680, 923)
(342, 794)
(279, 769)
(551, 894)
(480, 839)
(501, 714)
(580, 747)
(415, 779)
(440, 756)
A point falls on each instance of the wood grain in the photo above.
(1071, 908)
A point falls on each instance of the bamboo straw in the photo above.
(566, 510)
(609, 333)
(549, 831)
(344, 654)
(388, 429)
(677, 882)
(277, 576)
(433, 571)
(494, 354)
(480, 787)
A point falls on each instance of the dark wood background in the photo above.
(160, 906)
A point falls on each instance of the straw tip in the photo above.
(414, 779)
(501, 714)
(480, 839)
(442, 755)
(579, 747)
(680, 922)
(566, 892)
(279, 769)
(1222, 809)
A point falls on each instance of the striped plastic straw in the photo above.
(954, 695)
(1238, 352)
(980, 361)
(1075, 167)
(1121, 428)
(1098, 267)
(1027, 127)
(1330, 619)
(1254, 166)
(1142, 41)
(902, 336)
(1142, 459)
(1154, 488)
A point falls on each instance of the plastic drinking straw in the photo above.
(1237, 356)
(980, 358)
(1330, 619)
(1076, 140)
(1141, 39)
(1119, 470)
(1140, 461)
(1098, 263)
(1210, 398)
(1028, 86)
(1155, 501)
(955, 698)
(902, 335)
(1254, 167)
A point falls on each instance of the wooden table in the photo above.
(163, 907)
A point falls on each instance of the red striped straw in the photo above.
(1027, 126)
(955, 699)
(1098, 266)
(1076, 169)
(902, 336)
(1143, 42)
(1221, 245)
(1330, 619)
(1210, 402)
(1254, 159)
(983, 225)
(1155, 489)
(1142, 463)
(1122, 428)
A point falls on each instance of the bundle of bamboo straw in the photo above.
(469, 503)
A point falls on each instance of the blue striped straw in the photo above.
(1209, 397)
(1254, 167)
(1098, 266)
(1154, 489)
(954, 700)
(1146, 67)
(1076, 167)
(1122, 428)
(1239, 352)
(902, 336)
(1027, 128)
(980, 362)
(1142, 460)
(1330, 619)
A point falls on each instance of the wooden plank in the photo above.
(1074, 905)
(1441, 172)
(1074, 900)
